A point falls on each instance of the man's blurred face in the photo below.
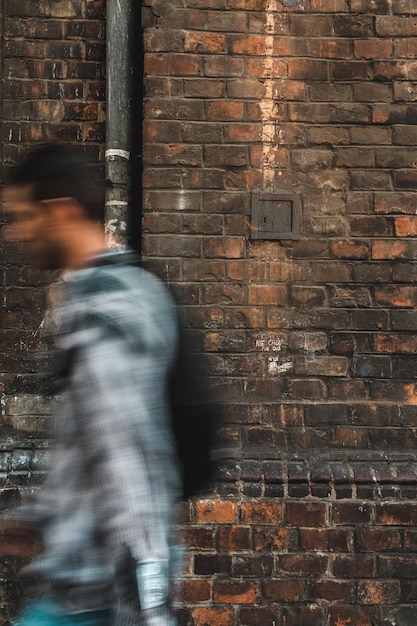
(33, 224)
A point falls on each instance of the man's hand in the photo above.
(18, 538)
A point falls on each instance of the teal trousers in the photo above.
(47, 613)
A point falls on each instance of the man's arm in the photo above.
(119, 386)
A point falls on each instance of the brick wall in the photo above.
(310, 343)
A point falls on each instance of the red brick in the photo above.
(261, 513)
(258, 68)
(199, 538)
(251, 5)
(226, 110)
(300, 564)
(271, 539)
(405, 226)
(327, 6)
(172, 65)
(396, 514)
(219, 511)
(397, 343)
(330, 48)
(396, 296)
(378, 540)
(279, 156)
(267, 294)
(255, 113)
(375, 592)
(223, 66)
(247, 270)
(243, 133)
(246, 88)
(405, 48)
(195, 591)
(305, 69)
(244, 317)
(348, 615)
(251, 45)
(235, 592)
(349, 250)
(199, 88)
(172, 154)
(205, 43)
(305, 514)
(348, 437)
(161, 131)
(234, 538)
(227, 21)
(292, 90)
(232, 294)
(373, 48)
(330, 590)
(213, 616)
(404, 178)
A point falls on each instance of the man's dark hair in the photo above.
(58, 170)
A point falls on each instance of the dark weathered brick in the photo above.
(265, 616)
(284, 590)
(376, 592)
(330, 590)
(351, 513)
(321, 539)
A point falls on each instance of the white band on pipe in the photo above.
(123, 154)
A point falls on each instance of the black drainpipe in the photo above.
(118, 119)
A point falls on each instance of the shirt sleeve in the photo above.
(119, 387)
(118, 393)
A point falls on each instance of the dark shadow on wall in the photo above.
(135, 203)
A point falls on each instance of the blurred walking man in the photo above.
(105, 513)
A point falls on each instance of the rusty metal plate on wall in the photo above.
(275, 216)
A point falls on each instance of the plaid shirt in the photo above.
(108, 505)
